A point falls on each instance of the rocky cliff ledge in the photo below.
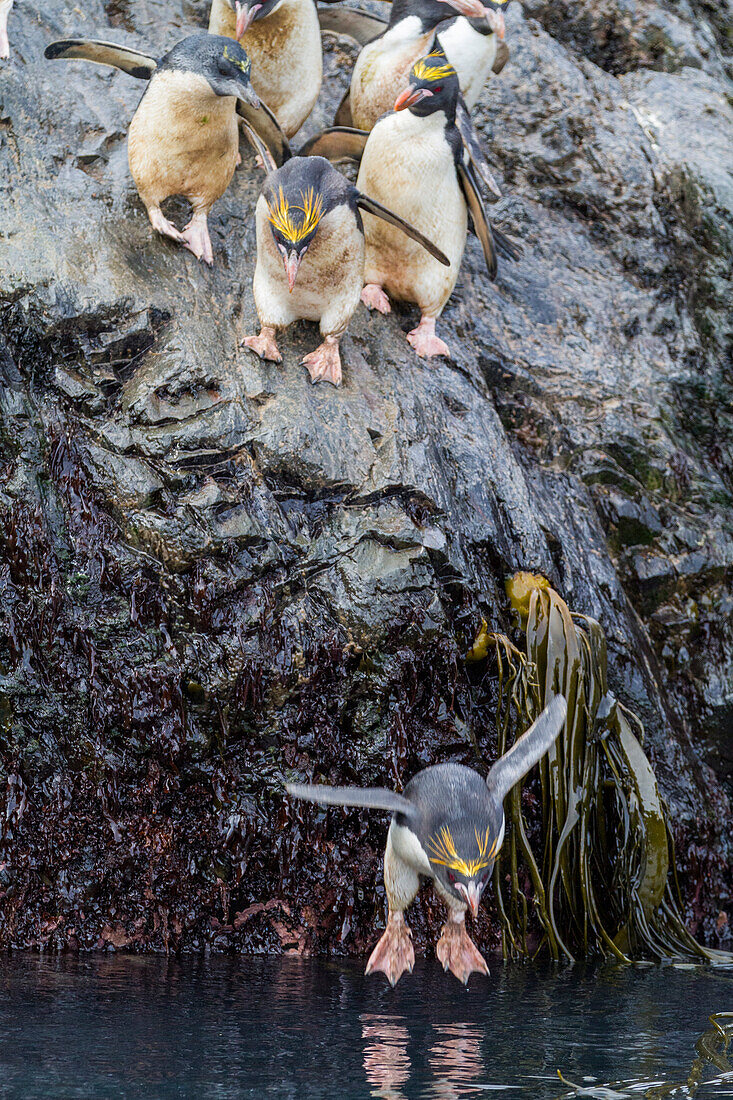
(214, 575)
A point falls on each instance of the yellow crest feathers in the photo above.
(281, 215)
(241, 63)
(444, 852)
(424, 70)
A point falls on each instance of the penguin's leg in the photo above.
(196, 237)
(424, 340)
(456, 950)
(324, 364)
(162, 225)
(394, 954)
(265, 344)
(374, 297)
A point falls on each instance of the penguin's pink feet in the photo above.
(374, 297)
(264, 345)
(394, 953)
(457, 951)
(196, 239)
(162, 225)
(324, 364)
(424, 340)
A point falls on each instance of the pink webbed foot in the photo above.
(196, 239)
(374, 297)
(424, 340)
(264, 345)
(394, 953)
(324, 364)
(457, 951)
(163, 226)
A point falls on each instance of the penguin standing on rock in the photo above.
(426, 148)
(470, 40)
(310, 257)
(184, 135)
(5, 6)
(448, 826)
(283, 41)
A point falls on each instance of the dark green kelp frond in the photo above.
(603, 878)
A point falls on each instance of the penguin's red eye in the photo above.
(451, 877)
(439, 88)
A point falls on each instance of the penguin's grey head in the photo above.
(249, 11)
(220, 61)
(298, 196)
(433, 86)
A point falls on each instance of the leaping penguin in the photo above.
(470, 41)
(283, 40)
(425, 161)
(448, 826)
(184, 136)
(310, 257)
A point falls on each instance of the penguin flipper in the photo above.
(343, 116)
(473, 149)
(530, 748)
(380, 211)
(354, 23)
(265, 125)
(103, 53)
(268, 161)
(479, 217)
(503, 53)
(372, 798)
(336, 143)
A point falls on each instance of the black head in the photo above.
(432, 12)
(433, 86)
(298, 197)
(249, 11)
(221, 61)
(460, 827)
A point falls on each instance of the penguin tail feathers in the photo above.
(506, 246)
(371, 798)
(530, 748)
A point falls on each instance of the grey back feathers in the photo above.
(373, 798)
(530, 748)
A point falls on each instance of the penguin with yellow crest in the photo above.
(310, 256)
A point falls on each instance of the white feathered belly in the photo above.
(286, 55)
(408, 167)
(381, 72)
(183, 140)
(330, 278)
(471, 54)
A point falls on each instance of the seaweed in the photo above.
(603, 876)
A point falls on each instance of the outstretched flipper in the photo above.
(472, 147)
(373, 798)
(129, 61)
(268, 161)
(530, 748)
(354, 23)
(336, 143)
(376, 208)
(265, 125)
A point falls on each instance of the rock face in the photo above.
(215, 576)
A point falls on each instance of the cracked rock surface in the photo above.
(215, 576)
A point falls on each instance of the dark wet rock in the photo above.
(215, 576)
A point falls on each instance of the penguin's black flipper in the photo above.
(479, 217)
(103, 53)
(263, 122)
(473, 149)
(503, 54)
(530, 748)
(372, 798)
(343, 116)
(505, 246)
(336, 143)
(354, 23)
(268, 162)
(376, 208)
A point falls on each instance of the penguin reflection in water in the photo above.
(447, 826)
(425, 162)
(310, 256)
(184, 135)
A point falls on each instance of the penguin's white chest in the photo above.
(382, 69)
(408, 166)
(471, 53)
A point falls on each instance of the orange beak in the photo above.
(410, 96)
(292, 263)
(245, 17)
(495, 19)
(472, 9)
